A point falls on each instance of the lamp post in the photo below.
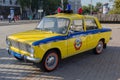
(91, 8)
(62, 5)
(40, 8)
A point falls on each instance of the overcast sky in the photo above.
(86, 2)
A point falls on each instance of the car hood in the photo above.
(32, 36)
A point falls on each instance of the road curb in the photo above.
(5, 23)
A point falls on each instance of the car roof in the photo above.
(70, 16)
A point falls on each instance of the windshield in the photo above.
(57, 25)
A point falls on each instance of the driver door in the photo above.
(77, 38)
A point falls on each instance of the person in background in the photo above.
(1, 17)
(9, 18)
(13, 18)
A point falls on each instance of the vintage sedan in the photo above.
(57, 37)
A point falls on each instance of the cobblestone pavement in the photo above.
(86, 66)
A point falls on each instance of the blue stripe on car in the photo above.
(51, 39)
(58, 38)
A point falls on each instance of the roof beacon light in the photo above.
(67, 10)
(59, 10)
(80, 11)
(68, 7)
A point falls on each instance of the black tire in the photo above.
(50, 61)
(99, 48)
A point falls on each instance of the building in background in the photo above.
(105, 8)
(9, 7)
(76, 5)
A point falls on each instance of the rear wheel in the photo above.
(50, 61)
(99, 47)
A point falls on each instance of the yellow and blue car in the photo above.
(57, 37)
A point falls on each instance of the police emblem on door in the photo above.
(77, 44)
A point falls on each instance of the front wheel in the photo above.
(99, 48)
(50, 61)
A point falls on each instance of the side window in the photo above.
(77, 25)
(90, 24)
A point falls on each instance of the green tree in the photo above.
(117, 4)
(116, 9)
(49, 6)
(98, 6)
(89, 8)
(26, 3)
(86, 10)
(22, 3)
(30, 4)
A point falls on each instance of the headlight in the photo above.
(8, 41)
(31, 50)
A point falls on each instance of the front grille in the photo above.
(19, 45)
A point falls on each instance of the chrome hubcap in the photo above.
(100, 47)
(51, 61)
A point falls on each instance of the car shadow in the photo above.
(84, 66)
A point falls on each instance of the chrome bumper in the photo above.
(36, 60)
(32, 59)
